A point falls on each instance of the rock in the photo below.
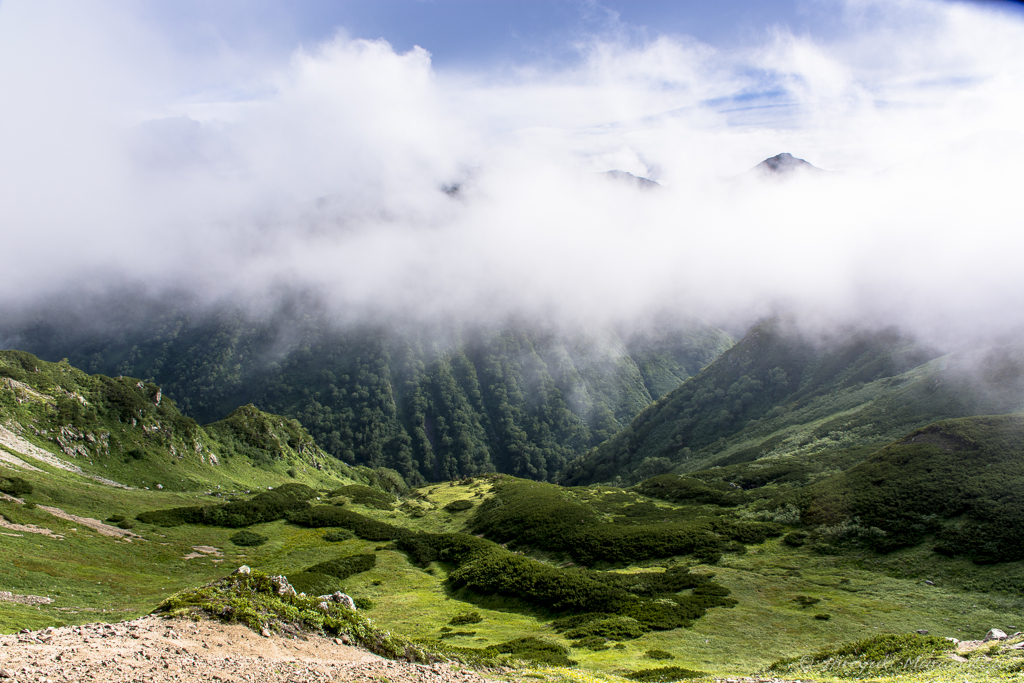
(281, 585)
(243, 570)
(345, 600)
(994, 634)
(159, 487)
(4, 673)
(958, 658)
(265, 632)
(323, 607)
(345, 640)
(929, 583)
(923, 631)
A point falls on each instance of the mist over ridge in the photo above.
(327, 175)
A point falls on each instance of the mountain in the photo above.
(627, 177)
(433, 404)
(781, 392)
(124, 432)
(783, 165)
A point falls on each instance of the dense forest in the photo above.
(432, 404)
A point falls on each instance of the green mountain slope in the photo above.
(125, 432)
(431, 404)
(778, 392)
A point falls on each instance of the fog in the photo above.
(391, 188)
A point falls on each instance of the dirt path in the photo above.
(157, 650)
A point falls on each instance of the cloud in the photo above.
(325, 173)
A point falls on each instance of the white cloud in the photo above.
(221, 194)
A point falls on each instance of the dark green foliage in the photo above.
(626, 605)
(312, 583)
(466, 618)
(15, 486)
(429, 404)
(338, 535)
(268, 506)
(346, 566)
(806, 600)
(613, 628)
(364, 495)
(458, 505)
(664, 674)
(659, 654)
(593, 643)
(795, 538)
(536, 650)
(546, 517)
(676, 489)
(114, 519)
(857, 388)
(958, 479)
(363, 603)
(364, 527)
(248, 539)
(823, 616)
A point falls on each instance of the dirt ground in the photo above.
(157, 650)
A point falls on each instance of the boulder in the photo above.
(994, 634)
(281, 585)
(243, 570)
(345, 600)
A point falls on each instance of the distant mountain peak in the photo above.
(626, 176)
(784, 163)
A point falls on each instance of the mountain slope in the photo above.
(124, 432)
(780, 392)
(431, 404)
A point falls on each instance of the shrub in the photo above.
(806, 600)
(536, 650)
(823, 617)
(363, 603)
(795, 538)
(676, 489)
(338, 535)
(364, 495)
(659, 654)
(346, 566)
(15, 486)
(364, 527)
(248, 539)
(458, 505)
(466, 618)
(879, 655)
(664, 674)
(114, 519)
(268, 506)
(615, 628)
(125, 524)
(594, 643)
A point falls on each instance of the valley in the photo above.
(773, 551)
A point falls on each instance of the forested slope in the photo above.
(779, 391)
(433, 404)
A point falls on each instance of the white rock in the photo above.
(995, 634)
(244, 570)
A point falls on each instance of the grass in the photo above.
(87, 573)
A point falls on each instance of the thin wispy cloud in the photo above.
(326, 172)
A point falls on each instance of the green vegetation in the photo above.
(663, 674)
(15, 486)
(248, 539)
(778, 392)
(871, 657)
(521, 400)
(269, 506)
(321, 516)
(364, 495)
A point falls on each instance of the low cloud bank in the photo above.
(389, 188)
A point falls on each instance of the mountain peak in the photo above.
(626, 176)
(784, 163)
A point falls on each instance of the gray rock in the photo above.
(281, 585)
(923, 631)
(243, 570)
(345, 600)
(994, 634)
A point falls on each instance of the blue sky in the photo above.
(461, 33)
